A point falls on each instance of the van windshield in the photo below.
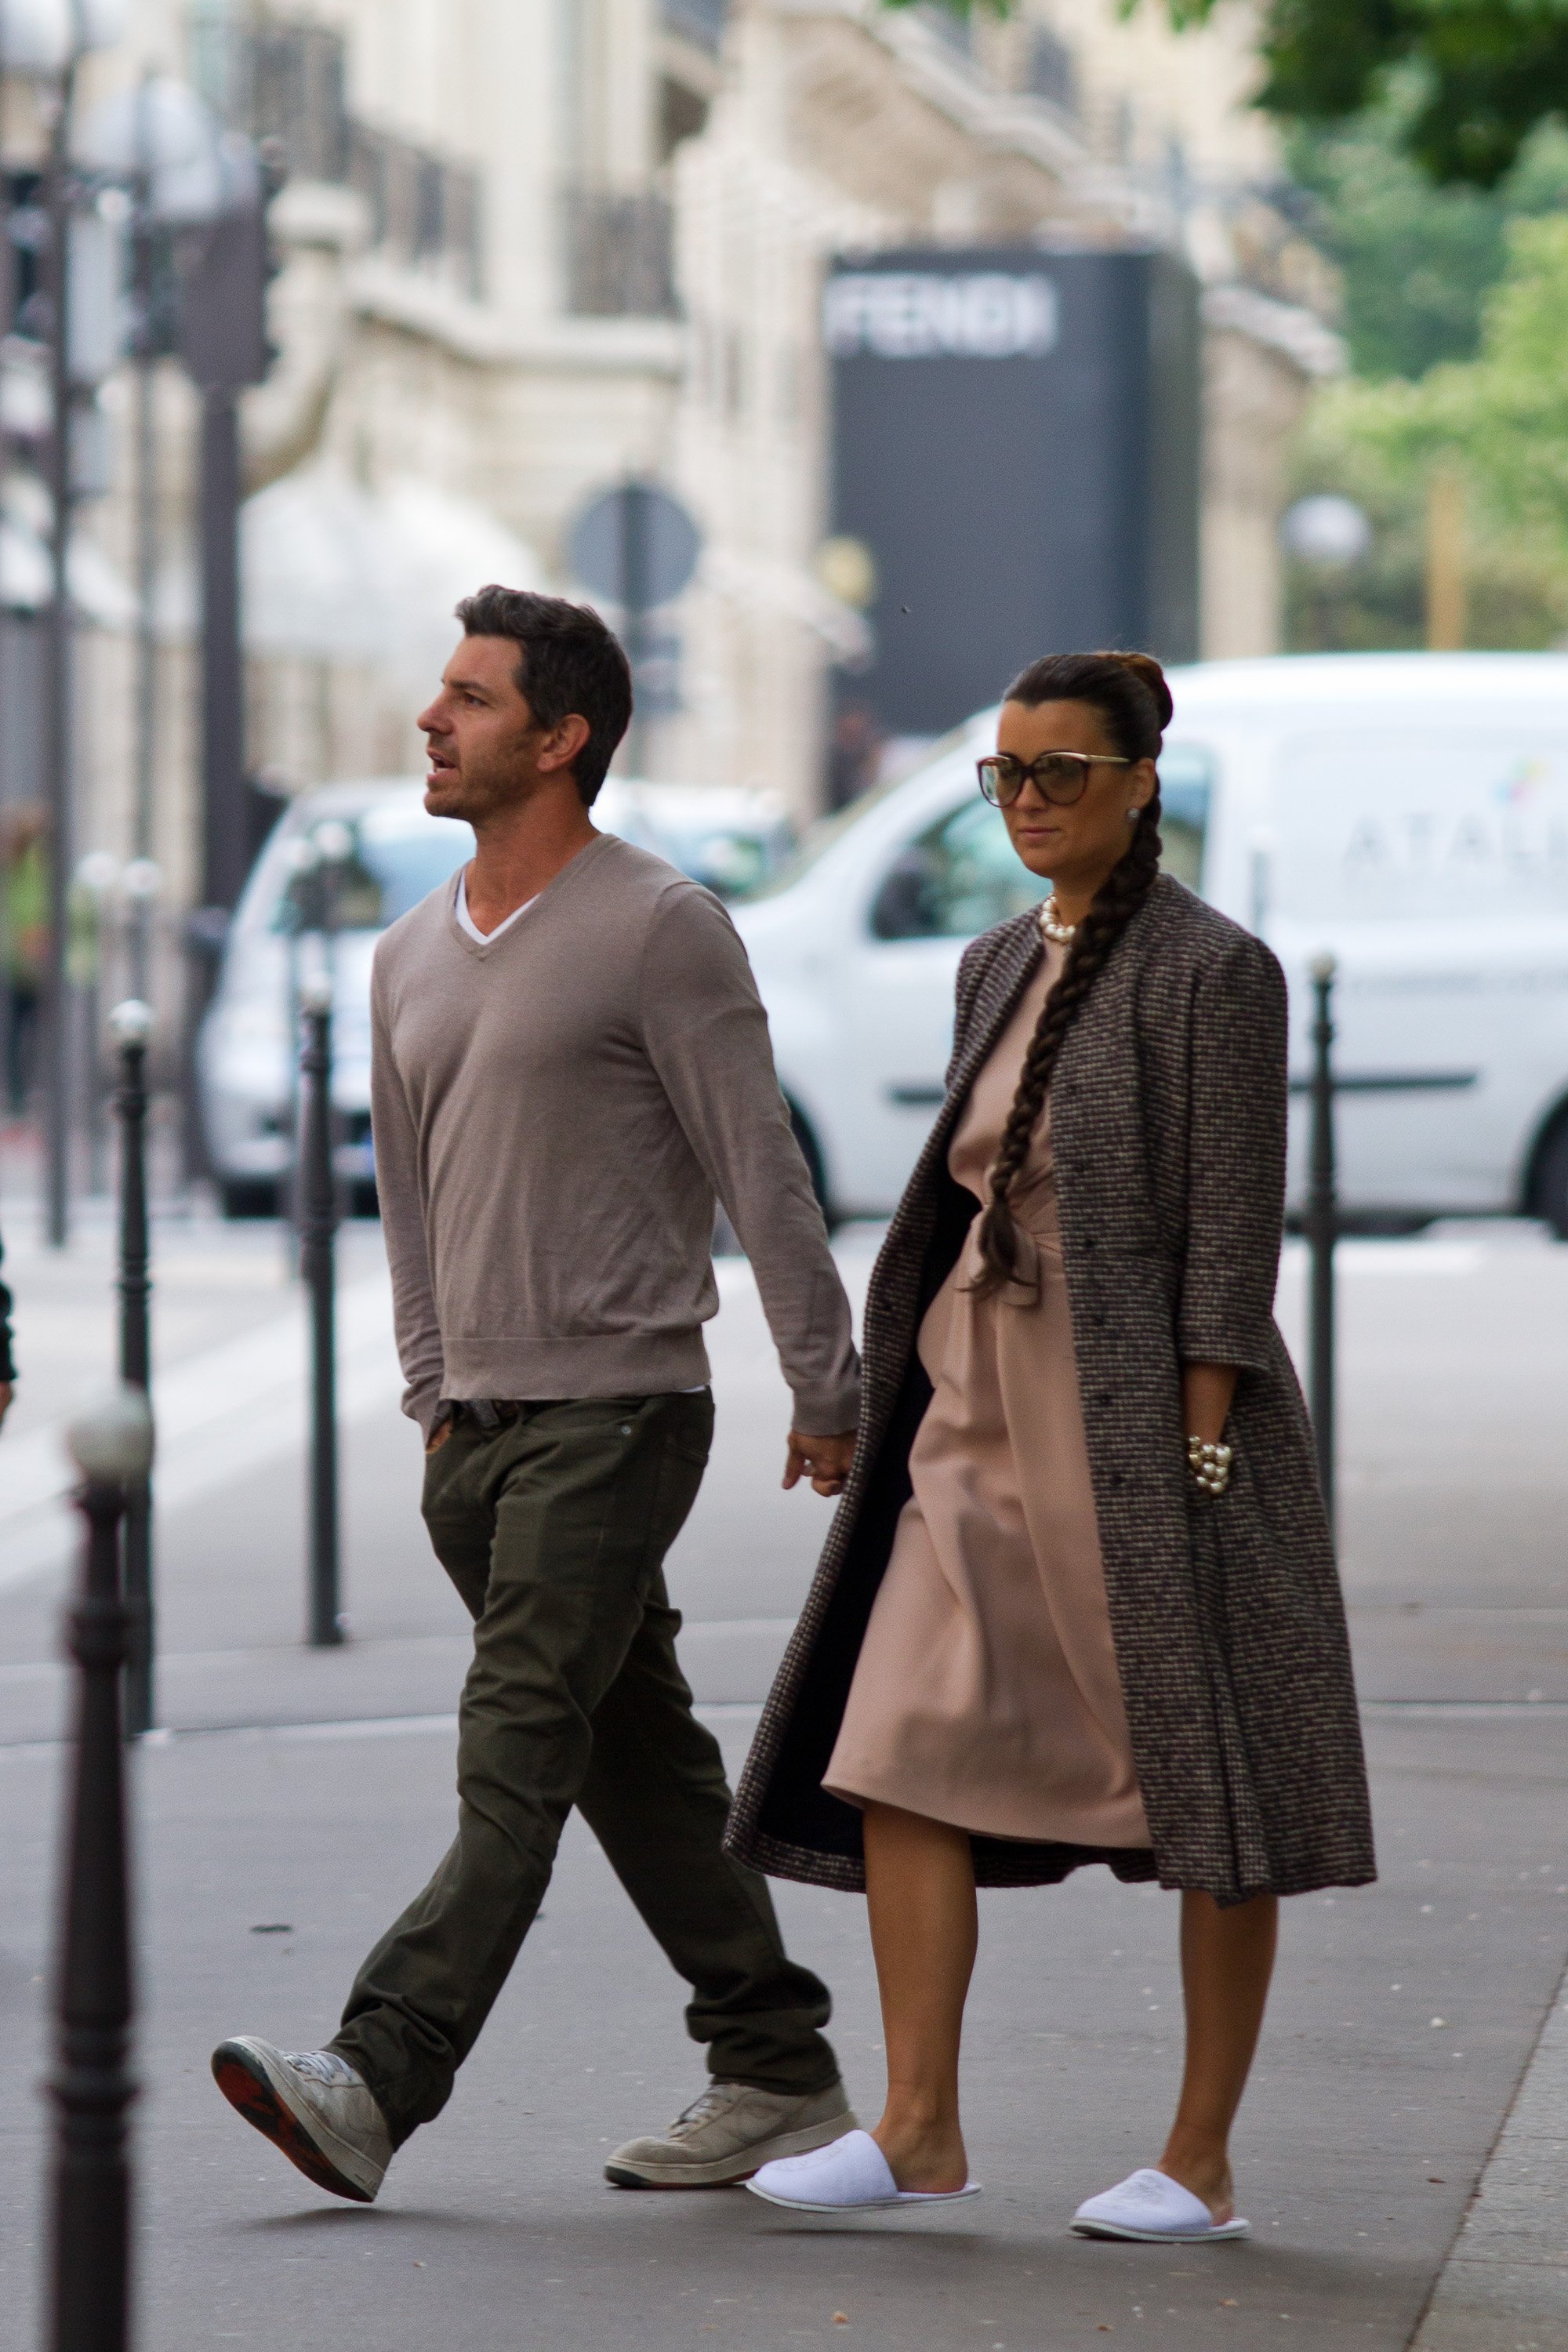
(827, 830)
(1421, 824)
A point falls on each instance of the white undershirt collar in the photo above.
(467, 922)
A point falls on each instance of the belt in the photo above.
(489, 1411)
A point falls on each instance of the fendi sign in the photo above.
(926, 314)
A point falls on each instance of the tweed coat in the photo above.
(1168, 1127)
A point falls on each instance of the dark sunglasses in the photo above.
(1059, 777)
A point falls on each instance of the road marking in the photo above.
(220, 1414)
(352, 1726)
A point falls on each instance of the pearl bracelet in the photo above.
(1209, 1463)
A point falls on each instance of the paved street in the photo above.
(298, 1799)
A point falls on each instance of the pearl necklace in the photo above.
(1052, 926)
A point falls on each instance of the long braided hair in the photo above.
(1130, 692)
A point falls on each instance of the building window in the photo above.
(617, 254)
(1049, 72)
(698, 20)
(954, 31)
(286, 84)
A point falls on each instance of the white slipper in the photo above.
(849, 2174)
(1150, 2205)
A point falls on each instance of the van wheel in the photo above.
(1549, 1190)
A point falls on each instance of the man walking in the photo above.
(569, 1062)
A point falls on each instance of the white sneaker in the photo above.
(727, 2132)
(1150, 2205)
(851, 2176)
(312, 2106)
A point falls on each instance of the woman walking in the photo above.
(1080, 1602)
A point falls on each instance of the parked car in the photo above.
(388, 855)
(1407, 813)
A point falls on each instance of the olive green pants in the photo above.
(553, 1528)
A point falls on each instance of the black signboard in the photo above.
(1017, 442)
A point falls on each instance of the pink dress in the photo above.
(986, 1693)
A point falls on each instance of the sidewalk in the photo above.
(302, 1797)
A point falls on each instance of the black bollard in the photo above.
(91, 2085)
(131, 1026)
(1322, 1220)
(318, 1234)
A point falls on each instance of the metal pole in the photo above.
(1322, 1228)
(131, 1026)
(318, 1230)
(92, 2084)
(55, 1027)
(222, 678)
(145, 355)
(634, 608)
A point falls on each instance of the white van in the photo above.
(1407, 813)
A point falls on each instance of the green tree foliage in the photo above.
(1486, 72)
(1502, 418)
(1415, 260)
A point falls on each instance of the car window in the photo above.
(1425, 823)
(1186, 789)
(957, 880)
(397, 860)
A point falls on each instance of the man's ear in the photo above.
(564, 741)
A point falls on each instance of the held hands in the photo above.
(824, 1460)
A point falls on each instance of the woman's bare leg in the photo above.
(1227, 1959)
(919, 1891)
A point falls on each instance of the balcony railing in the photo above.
(618, 255)
(287, 84)
(423, 211)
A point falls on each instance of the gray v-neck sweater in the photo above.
(555, 1109)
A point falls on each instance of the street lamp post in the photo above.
(55, 1026)
(202, 188)
(92, 2087)
(44, 42)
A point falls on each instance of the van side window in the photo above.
(1186, 788)
(957, 880)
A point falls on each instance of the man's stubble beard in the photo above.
(473, 794)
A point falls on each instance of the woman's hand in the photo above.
(824, 1460)
(1207, 1393)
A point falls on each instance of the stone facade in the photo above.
(533, 244)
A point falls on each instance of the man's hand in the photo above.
(824, 1460)
(4, 1398)
(439, 1434)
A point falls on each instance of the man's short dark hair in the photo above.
(568, 662)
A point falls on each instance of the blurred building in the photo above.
(532, 245)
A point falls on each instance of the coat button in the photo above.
(1117, 1479)
(1104, 1396)
(1089, 1241)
